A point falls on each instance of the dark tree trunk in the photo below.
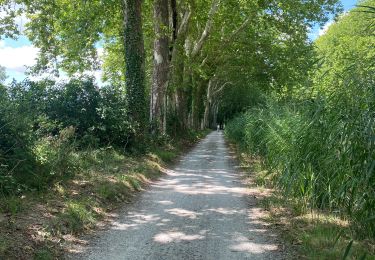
(174, 16)
(177, 70)
(135, 65)
(161, 64)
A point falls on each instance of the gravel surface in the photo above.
(199, 210)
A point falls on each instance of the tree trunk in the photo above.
(135, 65)
(177, 70)
(215, 111)
(206, 118)
(161, 64)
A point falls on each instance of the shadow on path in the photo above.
(199, 210)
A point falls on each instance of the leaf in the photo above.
(347, 250)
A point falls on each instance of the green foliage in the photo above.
(12, 205)
(165, 156)
(42, 124)
(113, 192)
(321, 143)
(16, 156)
(55, 155)
(319, 158)
(43, 254)
(3, 75)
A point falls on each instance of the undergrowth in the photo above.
(312, 233)
(104, 179)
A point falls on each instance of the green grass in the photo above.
(44, 254)
(315, 154)
(76, 217)
(165, 155)
(12, 205)
(314, 234)
(132, 181)
(113, 192)
(105, 179)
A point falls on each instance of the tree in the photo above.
(184, 45)
(161, 65)
(3, 75)
(135, 64)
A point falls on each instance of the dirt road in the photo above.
(200, 210)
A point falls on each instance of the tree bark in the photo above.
(207, 106)
(135, 65)
(177, 71)
(161, 65)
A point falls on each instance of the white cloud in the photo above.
(17, 58)
(100, 51)
(325, 28)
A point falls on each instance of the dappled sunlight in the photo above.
(120, 226)
(173, 236)
(252, 248)
(243, 244)
(208, 189)
(184, 213)
(143, 218)
(196, 205)
(165, 202)
(258, 230)
(227, 211)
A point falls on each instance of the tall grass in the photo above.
(321, 151)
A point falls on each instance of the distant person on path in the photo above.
(218, 127)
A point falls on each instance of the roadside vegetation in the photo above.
(316, 145)
(72, 149)
(60, 181)
(67, 160)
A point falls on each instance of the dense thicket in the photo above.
(42, 124)
(318, 142)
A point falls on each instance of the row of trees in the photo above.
(170, 66)
(190, 62)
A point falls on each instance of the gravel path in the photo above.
(200, 210)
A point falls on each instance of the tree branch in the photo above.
(221, 88)
(184, 23)
(198, 46)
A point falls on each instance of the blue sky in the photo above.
(15, 55)
(316, 31)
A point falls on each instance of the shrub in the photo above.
(56, 155)
(16, 157)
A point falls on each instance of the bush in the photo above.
(56, 155)
(43, 123)
(16, 157)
